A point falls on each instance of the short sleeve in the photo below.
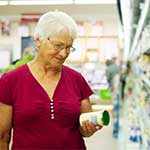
(5, 96)
(86, 91)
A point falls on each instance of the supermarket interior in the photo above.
(112, 53)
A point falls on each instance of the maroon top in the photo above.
(41, 123)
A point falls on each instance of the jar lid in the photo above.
(105, 118)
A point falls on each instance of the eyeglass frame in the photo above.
(59, 47)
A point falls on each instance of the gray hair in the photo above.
(54, 22)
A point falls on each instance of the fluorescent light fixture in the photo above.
(3, 3)
(95, 1)
(40, 2)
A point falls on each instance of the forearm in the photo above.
(4, 141)
(4, 145)
(6, 112)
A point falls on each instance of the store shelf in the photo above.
(138, 101)
(143, 120)
(140, 27)
(146, 80)
(136, 115)
(125, 130)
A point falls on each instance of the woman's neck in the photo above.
(44, 68)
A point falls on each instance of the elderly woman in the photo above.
(42, 100)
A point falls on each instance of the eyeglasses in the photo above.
(59, 47)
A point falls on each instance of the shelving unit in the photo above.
(93, 49)
(138, 105)
(136, 119)
(146, 81)
(141, 23)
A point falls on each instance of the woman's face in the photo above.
(56, 49)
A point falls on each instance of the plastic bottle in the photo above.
(98, 118)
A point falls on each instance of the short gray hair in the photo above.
(54, 22)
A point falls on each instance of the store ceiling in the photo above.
(95, 11)
(46, 2)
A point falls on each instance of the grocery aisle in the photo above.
(102, 140)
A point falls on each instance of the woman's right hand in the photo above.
(87, 128)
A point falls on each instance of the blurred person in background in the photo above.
(125, 70)
(43, 99)
(112, 69)
(28, 55)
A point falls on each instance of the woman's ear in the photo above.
(37, 42)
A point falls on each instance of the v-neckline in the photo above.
(40, 85)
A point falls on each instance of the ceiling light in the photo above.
(95, 1)
(2, 3)
(40, 2)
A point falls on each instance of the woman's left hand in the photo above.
(88, 128)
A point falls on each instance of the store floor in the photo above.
(102, 140)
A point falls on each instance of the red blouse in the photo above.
(41, 123)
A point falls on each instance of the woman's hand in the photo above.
(88, 128)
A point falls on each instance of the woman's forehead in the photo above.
(63, 37)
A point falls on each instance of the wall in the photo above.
(107, 14)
